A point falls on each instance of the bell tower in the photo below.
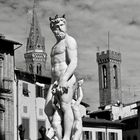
(35, 56)
(109, 72)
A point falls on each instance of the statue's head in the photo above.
(58, 26)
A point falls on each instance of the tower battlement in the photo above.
(106, 56)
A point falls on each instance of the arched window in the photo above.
(38, 46)
(39, 69)
(115, 76)
(104, 76)
(128, 138)
(135, 138)
(31, 68)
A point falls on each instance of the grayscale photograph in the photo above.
(69, 70)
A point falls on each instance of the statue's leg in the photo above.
(68, 114)
(56, 124)
(49, 110)
(68, 120)
(77, 130)
(66, 100)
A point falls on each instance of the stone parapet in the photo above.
(106, 56)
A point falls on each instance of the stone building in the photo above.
(101, 129)
(131, 129)
(6, 88)
(111, 106)
(109, 72)
(31, 91)
(32, 84)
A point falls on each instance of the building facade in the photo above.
(101, 129)
(6, 88)
(31, 85)
(131, 130)
(31, 91)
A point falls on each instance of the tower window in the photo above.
(39, 69)
(128, 138)
(135, 138)
(104, 77)
(115, 77)
(38, 46)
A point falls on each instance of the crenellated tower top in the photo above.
(106, 56)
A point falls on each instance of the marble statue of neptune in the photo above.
(58, 107)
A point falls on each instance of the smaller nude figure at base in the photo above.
(55, 132)
(57, 117)
(77, 125)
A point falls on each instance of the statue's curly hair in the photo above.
(56, 20)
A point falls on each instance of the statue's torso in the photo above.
(59, 63)
(58, 59)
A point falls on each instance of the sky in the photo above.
(89, 22)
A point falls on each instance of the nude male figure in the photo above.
(63, 65)
(77, 125)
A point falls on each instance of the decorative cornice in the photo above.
(36, 56)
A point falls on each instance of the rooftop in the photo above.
(4, 40)
(91, 122)
(99, 112)
(32, 78)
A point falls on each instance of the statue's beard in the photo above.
(60, 35)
